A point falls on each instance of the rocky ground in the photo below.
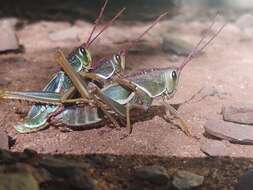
(219, 77)
(29, 170)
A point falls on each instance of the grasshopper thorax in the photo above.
(80, 59)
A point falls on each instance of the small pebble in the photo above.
(184, 180)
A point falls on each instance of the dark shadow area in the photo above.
(67, 10)
(106, 171)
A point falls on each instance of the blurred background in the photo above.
(85, 9)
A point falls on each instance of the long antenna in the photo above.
(196, 50)
(106, 26)
(97, 21)
(133, 42)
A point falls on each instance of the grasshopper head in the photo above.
(85, 58)
(119, 59)
(81, 59)
(171, 81)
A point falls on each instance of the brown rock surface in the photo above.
(239, 113)
(236, 133)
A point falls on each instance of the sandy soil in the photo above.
(223, 71)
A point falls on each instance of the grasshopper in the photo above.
(131, 92)
(150, 84)
(106, 69)
(80, 59)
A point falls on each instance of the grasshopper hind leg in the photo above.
(184, 127)
(37, 116)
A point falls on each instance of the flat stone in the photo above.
(238, 113)
(153, 174)
(245, 21)
(8, 38)
(246, 181)
(18, 181)
(235, 133)
(12, 21)
(176, 46)
(70, 34)
(215, 148)
(4, 140)
(143, 46)
(184, 180)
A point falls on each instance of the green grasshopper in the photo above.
(80, 59)
(150, 84)
(107, 68)
(136, 91)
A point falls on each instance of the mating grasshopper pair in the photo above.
(81, 61)
(75, 88)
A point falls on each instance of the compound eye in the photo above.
(174, 75)
(117, 58)
(82, 50)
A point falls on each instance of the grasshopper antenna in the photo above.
(106, 26)
(134, 42)
(97, 21)
(196, 50)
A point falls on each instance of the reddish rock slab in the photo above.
(215, 148)
(176, 46)
(8, 38)
(238, 113)
(235, 133)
